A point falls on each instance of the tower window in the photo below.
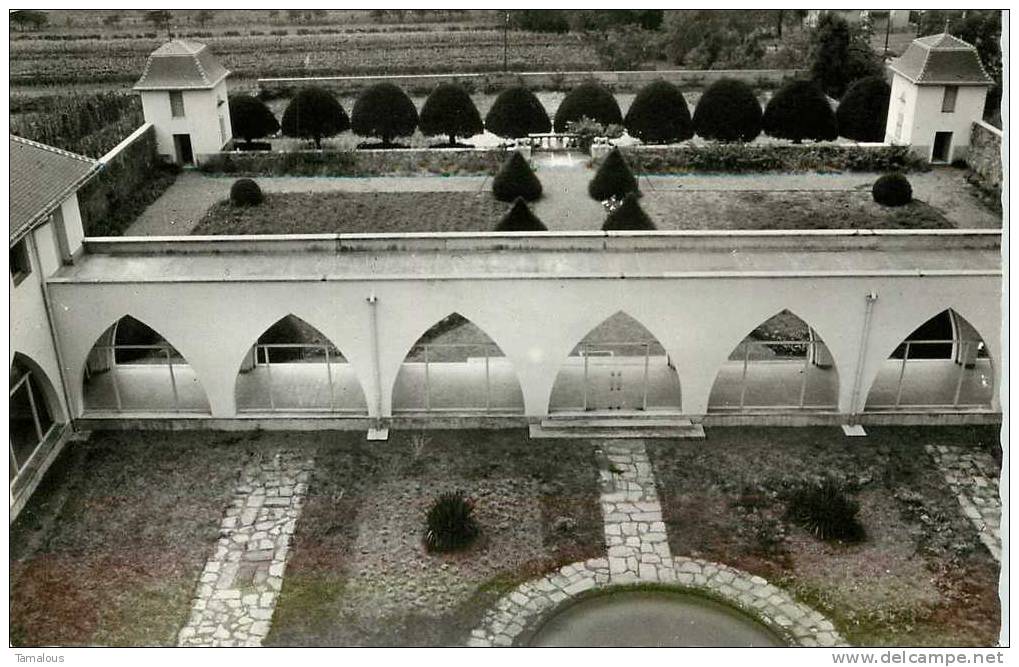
(948, 101)
(21, 265)
(176, 104)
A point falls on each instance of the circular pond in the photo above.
(651, 618)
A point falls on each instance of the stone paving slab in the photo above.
(973, 478)
(237, 591)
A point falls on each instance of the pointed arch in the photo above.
(782, 364)
(133, 368)
(294, 367)
(456, 367)
(34, 411)
(943, 364)
(618, 365)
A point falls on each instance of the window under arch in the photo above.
(781, 365)
(132, 368)
(293, 367)
(32, 418)
(619, 365)
(943, 364)
(456, 367)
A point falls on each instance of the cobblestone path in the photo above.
(237, 591)
(973, 477)
(634, 529)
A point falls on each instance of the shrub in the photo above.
(863, 110)
(250, 118)
(515, 179)
(245, 192)
(728, 111)
(628, 216)
(384, 111)
(314, 114)
(659, 115)
(826, 510)
(798, 111)
(516, 113)
(613, 178)
(590, 99)
(449, 110)
(520, 219)
(450, 524)
(587, 129)
(892, 190)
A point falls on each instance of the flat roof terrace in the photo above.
(550, 255)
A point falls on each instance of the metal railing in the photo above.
(24, 382)
(309, 353)
(431, 354)
(806, 352)
(964, 354)
(615, 355)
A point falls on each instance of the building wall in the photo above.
(923, 117)
(536, 321)
(984, 156)
(201, 119)
(902, 106)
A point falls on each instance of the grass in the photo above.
(356, 212)
(359, 574)
(109, 549)
(921, 576)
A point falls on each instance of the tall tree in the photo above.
(840, 54)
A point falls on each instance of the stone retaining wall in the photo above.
(984, 156)
(396, 162)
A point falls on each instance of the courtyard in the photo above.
(113, 549)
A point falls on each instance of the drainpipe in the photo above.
(373, 302)
(48, 307)
(864, 336)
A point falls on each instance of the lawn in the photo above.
(920, 578)
(356, 213)
(359, 574)
(109, 549)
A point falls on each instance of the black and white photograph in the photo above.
(533, 327)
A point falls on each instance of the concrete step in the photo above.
(614, 422)
(696, 431)
(629, 415)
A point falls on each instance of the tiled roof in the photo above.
(939, 60)
(181, 64)
(41, 178)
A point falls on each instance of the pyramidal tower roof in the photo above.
(941, 60)
(181, 65)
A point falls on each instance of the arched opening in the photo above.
(293, 367)
(618, 366)
(33, 417)
(943, 364)
(455, 367)
(132, 368)
(781, 365)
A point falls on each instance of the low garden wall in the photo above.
(736, 158)
(495, 81)
(395, 162)
(984, 157)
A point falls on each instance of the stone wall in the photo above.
(396, 162)
(984, 157)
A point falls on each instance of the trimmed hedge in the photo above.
(728, 111)
(659, 115)
(520, 219)
(798, 111)
(314, 113)
(250, 118)
(516, 179)
(740, 158)
(450, 111)
(588, 100)
(401, 162)
(892, 190)
(384, 111)
(613, 178)
(516, 113)
(863, 110)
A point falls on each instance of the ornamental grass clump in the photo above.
(245, 192)
(826, 511)
(450, 524)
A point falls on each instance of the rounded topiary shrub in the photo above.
(892, 190)
(450, 524)
(245, 192)
(592, 100)
(826, 511)
(384, 111)
(728, 111)
(863, 110)
(629, 216)
(659, 115)
(250, 118)
(613, 178)
(450, 111)
(798, 111)
(314, 113)
(520, 219)
(515, 179)
(517, 112)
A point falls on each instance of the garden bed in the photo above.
(109, 548)
(356, 213)
(920, 578)
(359, 574)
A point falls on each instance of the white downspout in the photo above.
(376, 432)
(861, 357)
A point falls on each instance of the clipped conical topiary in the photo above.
(629, 216)
(515, 179)
(449, 110)
(798, 111)
(520, 219)
(384, 111)
(863, 110)
(728, 111)
(659, 114)
(588, 100)
(516, 113)
(613, 178)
